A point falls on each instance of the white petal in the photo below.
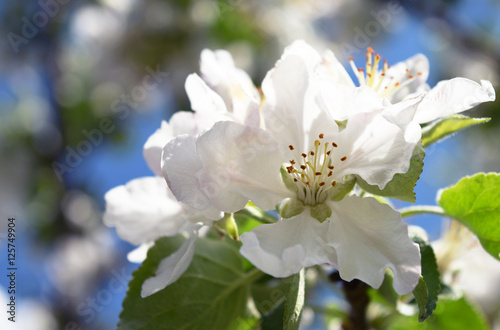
(154, 146)
(181, 163)
(453, 96)
(214, 66)
(368, 237)
(332, 69)
(284, 248)
(240, 163)
(183, 122)
(416, 66)
(308, 54)
(376, 149)
(143, 210)
(209, 107)
(342, 102)
(232, 84)
(172, 267)
(202, 98)
(284, 88)
(139, 254)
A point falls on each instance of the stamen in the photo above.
(314, 174)
(378, 80)
(343, 158)
(291, 147)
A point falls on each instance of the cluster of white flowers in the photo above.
(295, 147)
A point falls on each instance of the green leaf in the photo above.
(247, 323)
(211, 294)
(450, 315)
(268, 295)
(475, 202)
(430, 276)
(445, 127)
(401, 186)
(274, 319)
(294, 301)
(421, 296)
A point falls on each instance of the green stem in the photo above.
(421, 209)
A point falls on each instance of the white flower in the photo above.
(144, 209)
(231, 96)
(406, 79)
(302, 161)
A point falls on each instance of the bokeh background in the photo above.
(75, 112)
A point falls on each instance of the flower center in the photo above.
(312, 172)
(384, 84)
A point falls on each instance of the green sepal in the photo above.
(341, 189)
(321, 212)
(291, 207)
(228, 224)
(288, 180)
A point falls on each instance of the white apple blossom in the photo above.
(144, 209)
(404, 80)
(230, 95)
(303, 161)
